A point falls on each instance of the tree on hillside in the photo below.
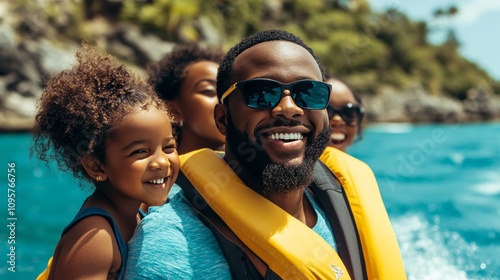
(366, 48)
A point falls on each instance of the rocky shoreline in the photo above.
(412, 106)
(27, 61)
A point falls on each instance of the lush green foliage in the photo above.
(365, 48)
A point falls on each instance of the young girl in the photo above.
(107, 126)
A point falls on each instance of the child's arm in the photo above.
(88, 250)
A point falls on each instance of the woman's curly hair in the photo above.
(167, 74)
(80, 107)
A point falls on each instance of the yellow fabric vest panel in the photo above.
(274, 239)
(380, 247)
(290, 248)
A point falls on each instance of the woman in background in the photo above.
(345, 112)
(186, 79)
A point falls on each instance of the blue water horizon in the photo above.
(440, 184)
(441, 188)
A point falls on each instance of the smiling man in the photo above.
(269, 209)
(285, 139)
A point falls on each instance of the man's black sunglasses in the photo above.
(266, 94)
(352, 114)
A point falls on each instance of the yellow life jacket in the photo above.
(380, 247)
(275, 237)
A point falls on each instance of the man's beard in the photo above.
(274, 177)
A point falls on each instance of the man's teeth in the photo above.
(337, 136)
(286, 136)
(157, 181)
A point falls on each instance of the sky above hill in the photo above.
(475, 25)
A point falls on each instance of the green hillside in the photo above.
(385, 57)
(364, 47)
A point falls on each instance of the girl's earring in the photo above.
(99, 178)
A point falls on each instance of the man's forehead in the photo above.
(259, 59)
(271, 49)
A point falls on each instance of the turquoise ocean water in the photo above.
(440, 183)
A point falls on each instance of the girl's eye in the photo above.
(139, 151)
(169, 149)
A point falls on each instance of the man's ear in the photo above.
(220, 116)
(94, 168)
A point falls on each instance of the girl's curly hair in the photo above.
(79, 108)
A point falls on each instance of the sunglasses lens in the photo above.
(261, 94)
(311, 95)
(264, 94)
(350, 113)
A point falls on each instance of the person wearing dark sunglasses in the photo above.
(345, 112)
(269, 208)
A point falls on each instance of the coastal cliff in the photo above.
(33, 48)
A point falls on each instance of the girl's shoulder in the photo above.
(90, 240)
(90, 232)
(89, 247)
(92, 226)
